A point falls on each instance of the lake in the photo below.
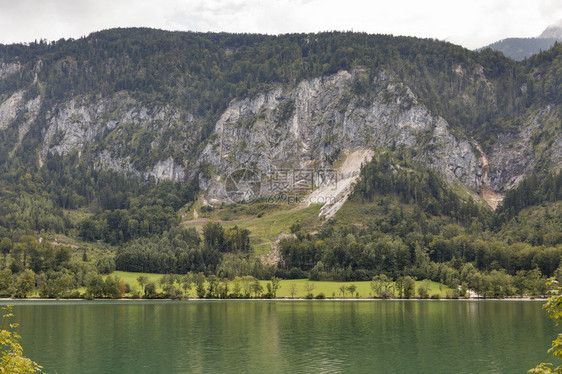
(285, 336)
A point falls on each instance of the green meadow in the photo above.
(301, 286)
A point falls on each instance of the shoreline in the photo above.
(284, 299)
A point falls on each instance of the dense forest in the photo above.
(419, 226)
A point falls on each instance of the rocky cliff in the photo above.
(121, 134)
(308, 127)
(290, 127)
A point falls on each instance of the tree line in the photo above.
(181, 250)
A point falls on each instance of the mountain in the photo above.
(522, 48)
(553, 32)
(192, 108)
(332, 156)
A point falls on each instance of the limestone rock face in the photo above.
(121, 134)
(311, 125)
(10, 108)
(514, 155)
(294, 128)
(16, 107)
(7, 69)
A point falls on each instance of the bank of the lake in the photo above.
(9, 301)
(290, 336)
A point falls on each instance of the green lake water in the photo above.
(285, 336)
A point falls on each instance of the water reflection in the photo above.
(282, 337)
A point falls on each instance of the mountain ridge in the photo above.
(522, 48)
(553, 31)
(150, 103)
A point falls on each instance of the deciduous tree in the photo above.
(13, 360)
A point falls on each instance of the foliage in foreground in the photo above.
(13, 360)
(554, 308)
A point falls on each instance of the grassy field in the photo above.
(272, 221)
(131, 278)
(329, 289)
(241, 211)
(332, 289)
(267, 228)
(94, 250)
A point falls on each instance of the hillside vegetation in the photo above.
(66, 218)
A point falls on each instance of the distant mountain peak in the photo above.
(552, 31)
(522, 48)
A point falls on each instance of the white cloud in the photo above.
(472, 24)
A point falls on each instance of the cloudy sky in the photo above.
(472, 23)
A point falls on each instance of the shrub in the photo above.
(454, 294)
(75, 294)
(175, 293)
(387, 294)
(423, 291)
(106, 265)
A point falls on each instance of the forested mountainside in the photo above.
(119, 136)
(146, 102)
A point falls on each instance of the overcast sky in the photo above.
(471, 23)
